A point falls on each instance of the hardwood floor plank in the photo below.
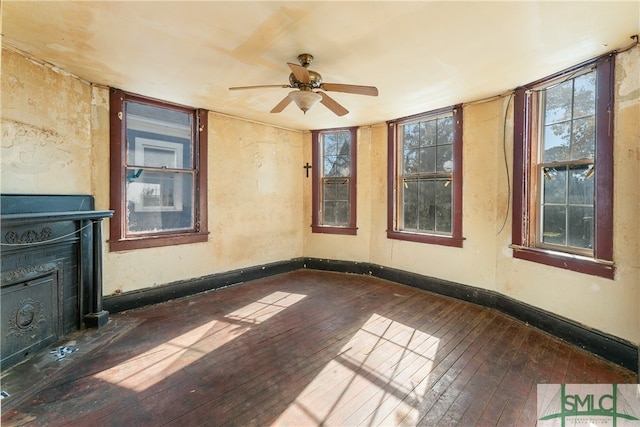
(444, 369)
(434, 316)
(439, 407)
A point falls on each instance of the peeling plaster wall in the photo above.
(486, 261)
(46, 129)
(55, 139)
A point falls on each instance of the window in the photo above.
(425, 178)
(334, 181)
(158, 173)
(563, 169)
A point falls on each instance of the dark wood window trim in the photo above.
(118, 241)
(523, 243)
(316, 226)
(456, 238)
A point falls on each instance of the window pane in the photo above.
(430, 133)
(584, 94)
(427, 160)
(445, 158)
(558, 103)
(556, 142)
(445, 130)
(159, 201)
(581, 227)
(336, 213)
(411, 135)
(336, 166)
(410, 204)
(159, 157)
(554, 225)
(162, 116)
(584, 137)
(427, 205)
(342, 213)
(411, 160)
(343, 165)
(581, 185)
(330, 145)
(342, 190)
(329, 212)
(554, 185)
(328, 191)
(444, 203)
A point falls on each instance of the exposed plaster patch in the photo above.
(25, 130)
(629, 99)
(14, 82)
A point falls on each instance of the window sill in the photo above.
(350, 231)
(157, 241)
(426, 238)
(566, 261)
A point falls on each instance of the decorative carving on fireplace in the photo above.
(23, 272)
(26, 317)
(50, 271)
(28, 236)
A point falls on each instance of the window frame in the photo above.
(118, 239)
(524, 237)
(455, 239)
(316, 225)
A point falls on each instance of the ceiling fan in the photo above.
(307, 82)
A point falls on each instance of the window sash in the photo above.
(158, 183)
(334, 181)
(335, 205)
(444, 168)
(432, 213)
(555, 228)
(527, 176)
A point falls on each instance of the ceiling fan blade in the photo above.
(259, 87)
(301, 73)
(358, 90)
(332, 105)
(281, 105)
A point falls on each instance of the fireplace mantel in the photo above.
(50, 271)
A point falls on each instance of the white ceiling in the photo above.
(421, 55)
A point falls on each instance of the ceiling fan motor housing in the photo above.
(315, 80)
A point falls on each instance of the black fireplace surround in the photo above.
(50, 271)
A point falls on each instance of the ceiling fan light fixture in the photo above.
(304, 99)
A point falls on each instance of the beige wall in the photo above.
(55, 140)
(45, 129)
(486, 260)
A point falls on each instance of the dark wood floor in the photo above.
(313, 348)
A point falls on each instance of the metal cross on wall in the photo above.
(307, 167)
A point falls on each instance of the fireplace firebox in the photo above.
(50, 271)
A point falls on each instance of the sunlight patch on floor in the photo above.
(389, 370)
(152, 366)
(265, 308)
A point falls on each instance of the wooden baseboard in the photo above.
(183, 288)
